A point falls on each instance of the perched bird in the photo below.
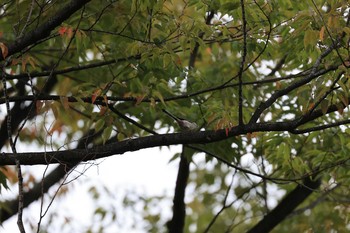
(185, 125)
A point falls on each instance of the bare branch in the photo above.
(74, 156)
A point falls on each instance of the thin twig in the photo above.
(323, 97)
(334, 41)
(320, 127)
(28, 19)
(14, 151)
(224, 205)
(244, 170)
(241, 68)
(70, 69)
(20, 198)
(128, 119)
(277, 94)
(51, 76)
(145, 100)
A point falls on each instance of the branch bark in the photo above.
(209, 136)
(177, 223)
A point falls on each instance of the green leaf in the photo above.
(230, 6)
(107, 133)
(310, 38)
(3, 181)
(159, 95)
(99, 124)
(324, 106)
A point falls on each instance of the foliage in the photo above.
(266, 81)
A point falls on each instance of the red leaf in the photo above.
(39, 104)
(96, 94)
(69, 32)
(62, 30)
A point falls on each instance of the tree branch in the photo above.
(177, 223)
(69, 69)
(78, 155)
(320, 127)
(209, 136)
(45, 29)
(314, 73)
(129, 99)
(286, 206)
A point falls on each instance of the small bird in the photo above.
(185, 125)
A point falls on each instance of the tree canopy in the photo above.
(265, 81)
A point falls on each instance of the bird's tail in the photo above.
(171, 115)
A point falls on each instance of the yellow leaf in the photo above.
(10, 173)
(178, 60)
(278, 85)
(140, 98)
(153, 102)
(32, 61)
(310, 38)
(55, 110)
(4, 50)
(344, 100)
(24, 63)
(324, 106)
(311, 106)
(322, 33)
(167, 59)
(329, 22)
(57, 127)
(340, 109)
(14, 62)
(252, 135)
(105, 99)
(159, 95)
(99, 124)
(211, 118)
(64, 102)
(208, 50)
